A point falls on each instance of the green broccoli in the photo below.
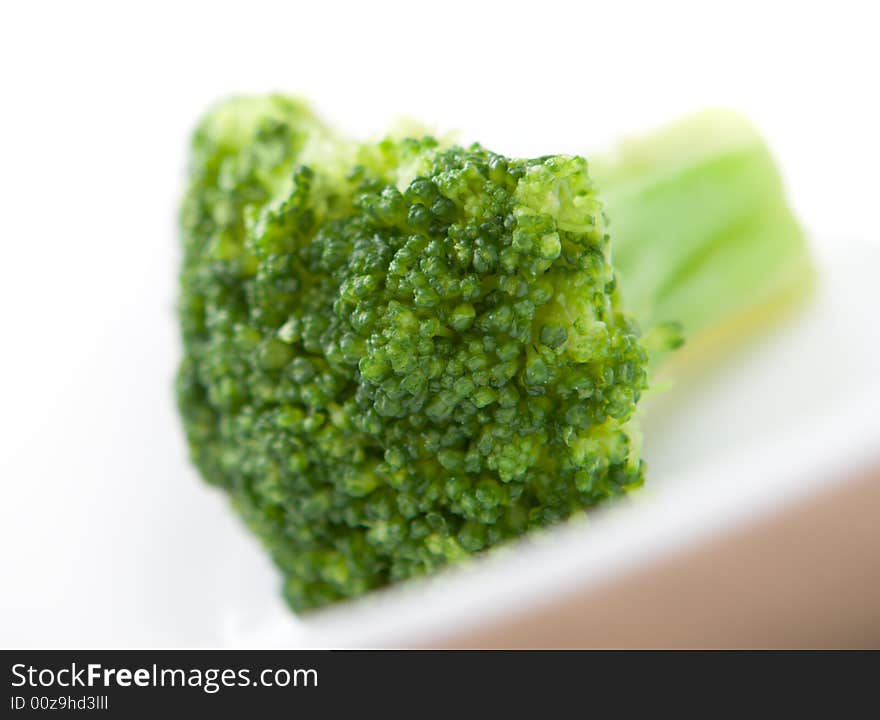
(404, 352)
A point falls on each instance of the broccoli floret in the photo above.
(399, 353)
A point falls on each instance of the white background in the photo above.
(106, 535)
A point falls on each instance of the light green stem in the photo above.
(701, 231)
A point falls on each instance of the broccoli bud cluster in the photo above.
(397, 353)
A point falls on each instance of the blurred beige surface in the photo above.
(806, 577)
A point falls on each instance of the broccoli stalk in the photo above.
(702, 235)
(401, 353)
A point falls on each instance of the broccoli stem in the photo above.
(701, 231)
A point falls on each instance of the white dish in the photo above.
(111, 540)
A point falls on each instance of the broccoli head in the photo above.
(397, 353)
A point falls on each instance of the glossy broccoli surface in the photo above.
(403, 352)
